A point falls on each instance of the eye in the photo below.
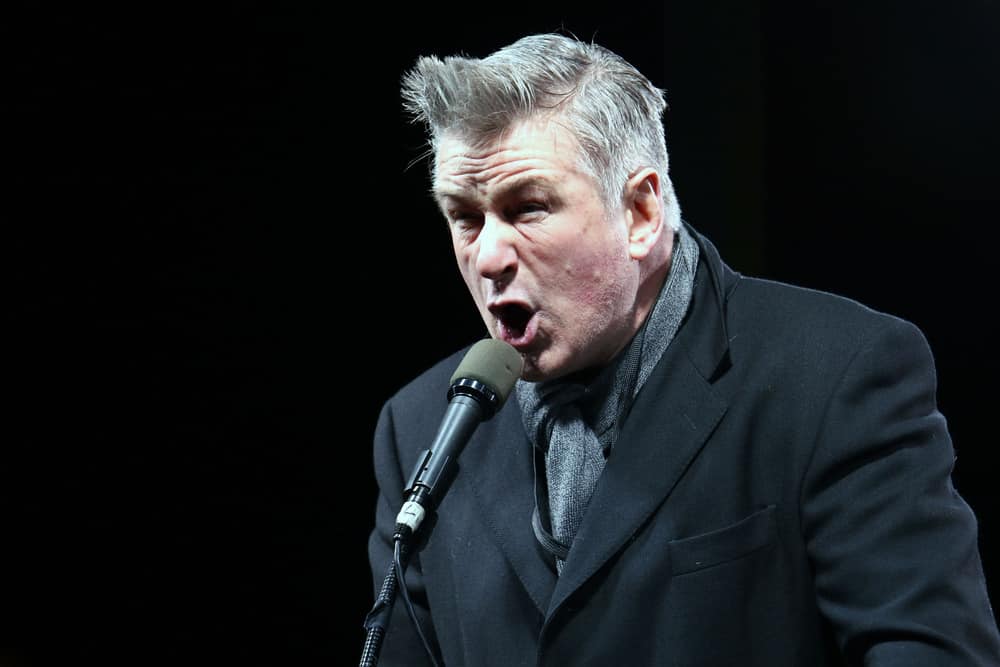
(465, 218)
(527, 209)
(465, 225)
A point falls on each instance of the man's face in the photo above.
(548, 267)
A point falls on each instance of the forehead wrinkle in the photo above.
(466, 173)
(468, 170)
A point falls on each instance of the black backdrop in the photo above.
(220, 264)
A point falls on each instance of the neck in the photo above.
(653, 272)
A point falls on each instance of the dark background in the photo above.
(220, 264)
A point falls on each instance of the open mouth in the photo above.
(513, 320)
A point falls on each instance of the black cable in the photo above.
(396, 560)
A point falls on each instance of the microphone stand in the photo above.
(377, 620)
(417, 511)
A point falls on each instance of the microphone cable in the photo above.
(397, 564)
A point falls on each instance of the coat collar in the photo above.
(709, 349)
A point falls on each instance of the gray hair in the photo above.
(614, 111)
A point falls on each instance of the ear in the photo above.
(644, 212)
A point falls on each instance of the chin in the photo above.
(532, 376)
(532, 371)
(540, 372)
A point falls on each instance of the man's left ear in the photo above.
(644, 212)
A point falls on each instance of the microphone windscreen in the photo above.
(494, 363)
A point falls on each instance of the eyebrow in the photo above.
(513, 187)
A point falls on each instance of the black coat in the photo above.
(780, 494)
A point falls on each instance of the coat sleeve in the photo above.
(401, 645)
(893, 546)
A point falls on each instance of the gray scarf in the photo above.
(575, 423)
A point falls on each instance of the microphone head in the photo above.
(494, 363)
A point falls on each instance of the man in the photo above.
(697, 468)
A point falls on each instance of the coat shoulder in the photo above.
(781, 311)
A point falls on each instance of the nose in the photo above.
(496, 258)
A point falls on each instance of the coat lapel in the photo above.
(499, 464)
(672, 418)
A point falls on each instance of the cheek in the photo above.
(464, 259)
(471, 277)
(597, 278)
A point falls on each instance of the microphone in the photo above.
(479, 387)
